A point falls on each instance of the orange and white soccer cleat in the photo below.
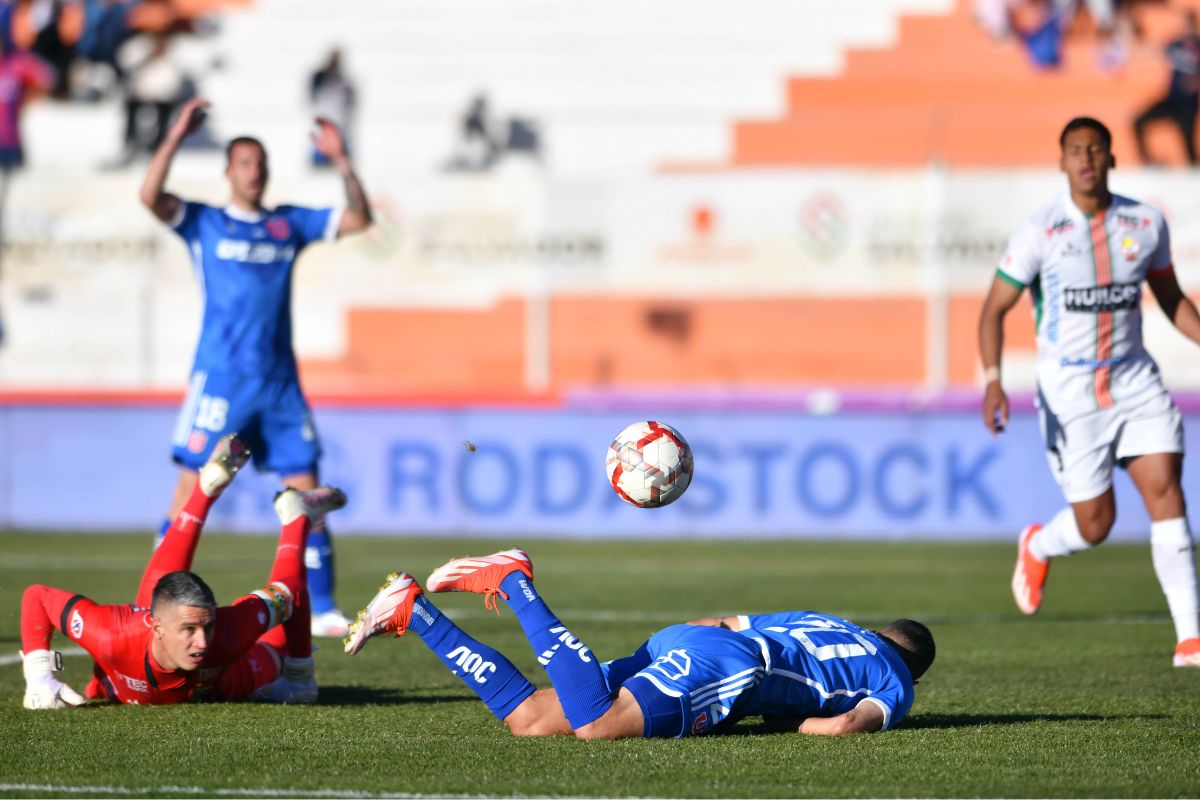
(1029, 577)
(228, 456)
(1187, 653)
(480, 575)
(388, 612)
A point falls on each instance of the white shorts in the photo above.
(1082, 450)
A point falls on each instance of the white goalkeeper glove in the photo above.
(42, 689)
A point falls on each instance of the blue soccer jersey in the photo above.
(819, 665)
(244, 264)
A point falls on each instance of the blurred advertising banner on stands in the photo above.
(870, 469)
(96, 294)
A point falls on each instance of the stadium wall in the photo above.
(474, 284)
(789, 464)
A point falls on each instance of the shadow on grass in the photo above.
(940, 721)
(370, 696)
(976, 720)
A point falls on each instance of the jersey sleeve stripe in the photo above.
(1167, 270)
(887, 711)
(1009, 279)
(64, 620)
(177, 218)
(334, 222)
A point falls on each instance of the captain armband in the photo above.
(278, 599)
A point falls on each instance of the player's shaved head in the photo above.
(913, 642)
(243, 141)
(1086, 123)
(184, 589)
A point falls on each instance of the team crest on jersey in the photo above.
(279, 228)
(700, 722)
(76, 624)
(1130, 248)
(197, 441)
(674, 665)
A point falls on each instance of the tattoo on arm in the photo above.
(356, 198)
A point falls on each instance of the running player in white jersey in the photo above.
(244, 375)
(1101, 400)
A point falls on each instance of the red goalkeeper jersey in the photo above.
(118, 638)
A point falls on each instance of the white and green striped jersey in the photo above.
(1085, 273)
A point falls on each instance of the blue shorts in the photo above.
(272, 417)
(689, 678)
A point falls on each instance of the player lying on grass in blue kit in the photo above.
(799, 670)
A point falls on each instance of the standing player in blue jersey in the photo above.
(244, 376)
(799, 670)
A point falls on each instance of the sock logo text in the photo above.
(471, 663)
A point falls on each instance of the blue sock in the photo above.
(572, 668)
(485, 671)
(318, 557)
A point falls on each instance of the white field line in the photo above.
(15, 658)
(56, 789)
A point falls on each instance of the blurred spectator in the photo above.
(22, 75)
(332, 96)
(1040, 25)
(1182, 100)
(484, 139)
(155, 86)
(478, 146)
(106, 26)
(55, 27)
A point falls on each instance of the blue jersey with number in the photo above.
(244, 263)
(819, 665)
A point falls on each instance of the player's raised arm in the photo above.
(329, 143)
(1000, 299)
(153, 195)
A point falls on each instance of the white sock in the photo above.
(1059, 537)
(1174, 556)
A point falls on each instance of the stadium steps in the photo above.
(947, 92)
(660, 80)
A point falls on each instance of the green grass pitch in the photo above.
(1079, 701)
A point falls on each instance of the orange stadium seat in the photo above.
(946, 91)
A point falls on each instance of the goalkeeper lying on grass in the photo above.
(173, 644)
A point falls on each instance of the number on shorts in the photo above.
(212, 413)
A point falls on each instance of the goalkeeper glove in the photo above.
(42, 689)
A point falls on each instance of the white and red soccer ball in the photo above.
(649, 464)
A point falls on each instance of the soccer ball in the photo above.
(649, 464)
